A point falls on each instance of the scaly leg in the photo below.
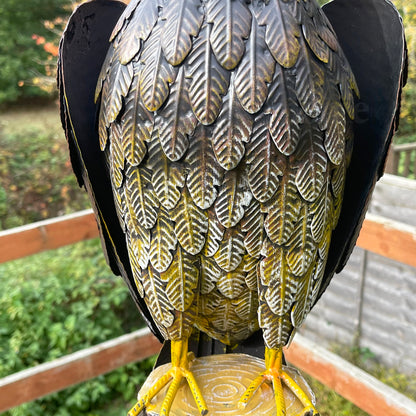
(276, 376)
(179, 370)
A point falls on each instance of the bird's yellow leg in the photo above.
(179, 370)
(275, 375)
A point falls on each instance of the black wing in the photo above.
(372, 36)
(82, 52)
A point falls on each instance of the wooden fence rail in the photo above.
(53, 376)
(379, 235)
(402, 160)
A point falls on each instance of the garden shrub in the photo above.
(56, 303)
(21, 60)
(36, 179)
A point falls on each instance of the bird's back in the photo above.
(227, 129)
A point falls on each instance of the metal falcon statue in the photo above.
(226, 161)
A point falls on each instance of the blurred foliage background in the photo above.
(60, 301)
(22, 63)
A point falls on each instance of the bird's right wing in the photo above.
(371, 35)
(82, 53)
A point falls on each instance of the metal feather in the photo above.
(276, 329)
(232, 199)
(246, 307)
(223, 319)
(280, 292)
(204, 172)
(176, 120)
(119, 200)
(310, 77)
(191, 224)
(320, 211)
(345, 80)
(283, 210)
(136, 125)
(286, 115)
(264, 161)
(157, 74)
(318, 46)
(182, 21)
(301, 246)
(252, 224)
(119, 79)
(232, 128)
(163, 242)
(347, 87)
(303, 299)
(139, 27)
(139, 242)
(128, 11)
(116, 155)
(272, 265)
(231, 250)
(168, 177)
(137, 272)
(208, 305)
(231, 284)
(182, 279)
(183, 323)
(102, 128)
(214, 236)
(313, 163)
(332, 121)
(156, 298)
(210, 273)
(104, 71)
(338, 179)
(255, 71)
(208, 81)
(231, 21)
(282, 31)
(140, 197)
(250, 267)
(325, 31)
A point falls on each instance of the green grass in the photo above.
(330, 403)
(44, 118)
(365, 359)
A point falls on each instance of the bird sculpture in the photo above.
(229, 149)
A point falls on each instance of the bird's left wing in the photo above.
(82, 51)
(371, 35)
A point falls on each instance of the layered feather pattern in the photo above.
(224, 124)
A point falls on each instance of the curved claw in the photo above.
(277, 376)
(179, 371)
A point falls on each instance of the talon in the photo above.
(137, 408)
(178, 372)
(275, 375)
